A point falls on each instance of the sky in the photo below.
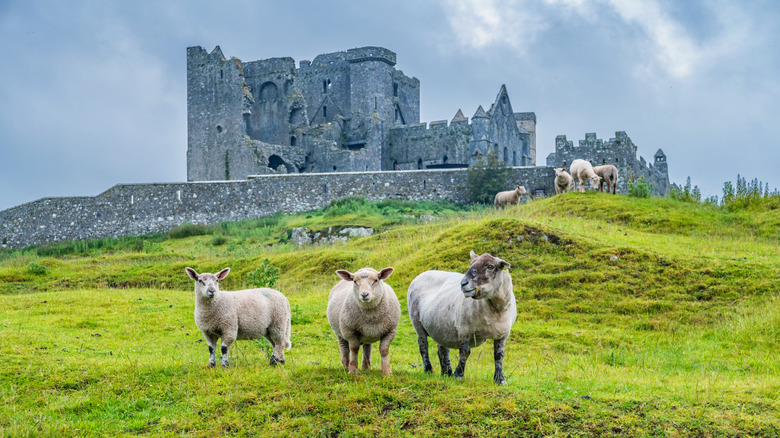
(94, 93)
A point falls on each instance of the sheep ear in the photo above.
(384, 273)
(223, 273)
(345, 275)
(473, 255)
(502, 264)
(191, 273)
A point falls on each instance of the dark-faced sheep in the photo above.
(363, 309)
(582, 171)
(462, 311)
(244, 314)
(510, 197)
(608, 174)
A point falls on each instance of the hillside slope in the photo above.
(636, 317)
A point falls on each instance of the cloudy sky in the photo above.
(93, 93)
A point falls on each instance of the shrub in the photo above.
(485, 179)
(187, 230)
(686, 194)
(265, 275)
(640, 188)
(37, 269)
(747, 195)
(218, 240)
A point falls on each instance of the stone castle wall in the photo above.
(136, 209)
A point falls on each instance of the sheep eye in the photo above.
(491, 267)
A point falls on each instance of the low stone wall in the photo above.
(135, 209)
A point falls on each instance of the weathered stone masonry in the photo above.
(135, 209)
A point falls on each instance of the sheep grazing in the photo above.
(581, 171)
(462, 311)
(363, 309)
(562, 181)
(244, 314)
(608, 174)
(511, 197)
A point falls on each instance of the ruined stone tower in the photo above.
(343, 111)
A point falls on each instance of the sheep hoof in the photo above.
(211, 364)
(501, 382)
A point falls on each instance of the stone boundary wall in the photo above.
(136, 209)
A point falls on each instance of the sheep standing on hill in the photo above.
(462, 311)
(608, 174)
(581, 171)
(511, 197)
(363, 309)
(562, 181)
(244, 314)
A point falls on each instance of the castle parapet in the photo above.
(370, 53)
(271, 65)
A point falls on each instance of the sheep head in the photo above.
(520, 190)
(367, 284)
(484, 277)
(206, 284)
(595, 180)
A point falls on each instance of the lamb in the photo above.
(608, 174)
(363, 309)
(580, 171)
(462, 311)
(244, 314)
(512, 197)
(562, 181)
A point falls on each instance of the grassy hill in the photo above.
(636, 317)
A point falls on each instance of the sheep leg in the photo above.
(354, 350)
(422, 342)
(212, 342)
(444, 360)
(344, 349)
(366, 356)
(498, 357)
(278, 355)
(465, 351)
(384, 351)
(225, 347)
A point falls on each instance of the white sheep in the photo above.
(510, 197)
(581, 171)
(462, 311)
(244, 314)
(363, 309)
(608, 174)
(562, 181)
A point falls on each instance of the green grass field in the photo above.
(636, 317)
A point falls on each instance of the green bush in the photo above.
(640, 188)
(265, 275)
(486, 178)
(188, 229)
(748, 195)
(218, 240)
(686, 194)
(37, 269)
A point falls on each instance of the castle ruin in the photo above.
(342, 112)
(267, 136)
